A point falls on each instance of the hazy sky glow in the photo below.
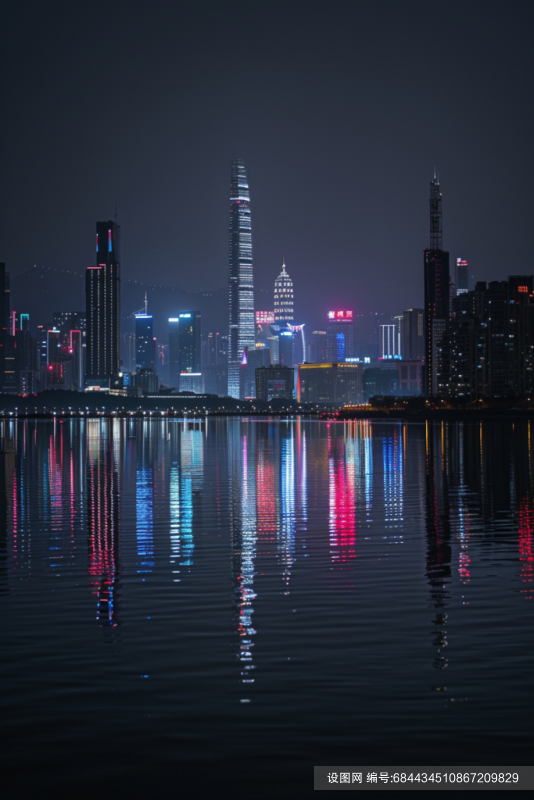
(340, 112)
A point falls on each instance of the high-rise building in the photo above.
(399, 334)
(102, 293)
(185, 349)
(462, 276)
(452, 294)
(129, 352)
(389, 342)
(317, 348)
(257, 357)
(145, 344)
(436, 270)
(413, 335)
(489, 345)
(339, 336)
(67, 321)
(241, 284)
(76, 353)
(283, 297)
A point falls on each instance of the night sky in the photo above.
(340, 112)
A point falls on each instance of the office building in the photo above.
(462, 276)
(413, 335)
(76, 354)
(389, 342)
(102, 292)
(253, 359)
(241, 284)
(286, 347)
(185, 347)
(192, 382)
(339, 336)
(67, 321)
(147, 381)
(275, 383)
(488, 350)
(436, 273)
(399, 334)
(283, 297)
(330, 383)
(317, 348)
(299, 349)
(379, 382)
(145, 343)
(129, 352)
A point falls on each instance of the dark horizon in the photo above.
(340, 118)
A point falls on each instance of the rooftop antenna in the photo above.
(146, 304)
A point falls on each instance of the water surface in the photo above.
(243, 599)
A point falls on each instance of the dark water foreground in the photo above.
(233, 604)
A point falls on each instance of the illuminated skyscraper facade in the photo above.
(241, 284)
(102, 296)
(145, 345)
(340, 336)
(462, 277)
(283, 297)
(184, 348)
(436, 267)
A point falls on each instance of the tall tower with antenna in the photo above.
(437, 306)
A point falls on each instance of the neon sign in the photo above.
(342, 315)
(264, 317)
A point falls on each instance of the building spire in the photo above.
(436, 231)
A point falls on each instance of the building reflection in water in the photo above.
(185, 487)
(393, 471)
(302, 478)
(104, 513)
(144, 497)
(342, 501)
(526, 546)
(7, 507)
(242, 485)
(438, 550)
(286, 533)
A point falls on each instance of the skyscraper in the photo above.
(102, 295)
(340, 336)
(283, 297)
(184, 347)
(241, 285)
(145, 345)
(413, 333)
(462, 277)
(388, 347)
(436, 267)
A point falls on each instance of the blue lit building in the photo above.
(184, 346)
(339, 336)
(241, 285)
(145, 344)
